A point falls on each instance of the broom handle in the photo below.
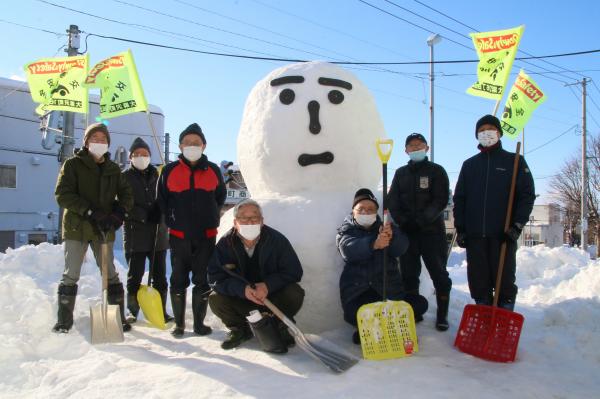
(511, 197)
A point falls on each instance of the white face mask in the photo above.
(487, 138)
(98, 149)
(192, 153)
(417, 156)
(140, 163)
(249, 231)
(365, 220)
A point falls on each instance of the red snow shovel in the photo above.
(490, 332)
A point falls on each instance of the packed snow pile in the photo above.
(559, 351)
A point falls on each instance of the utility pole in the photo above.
(584, 177)
(167, 146)
(431, 41)
(68, 136)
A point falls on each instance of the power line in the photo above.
(551, 140)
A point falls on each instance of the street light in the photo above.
(431, 41)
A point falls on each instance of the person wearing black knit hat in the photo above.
(361, 240)
(191, 193)
(480, 207)
(140, 240)
(418, 195)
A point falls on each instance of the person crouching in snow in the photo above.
(140, 239)
(87, 186)
(361, 240)
(252, 262)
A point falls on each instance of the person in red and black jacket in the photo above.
(191, 193)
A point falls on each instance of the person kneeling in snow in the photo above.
(86, 188)
(361, 240)
(252, 262)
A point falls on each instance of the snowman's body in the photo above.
(306, 144)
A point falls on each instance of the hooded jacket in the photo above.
(363, 269)
(82, 185)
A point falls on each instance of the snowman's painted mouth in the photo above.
(310, 159)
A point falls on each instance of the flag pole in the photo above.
(496, 107)
(162, 158)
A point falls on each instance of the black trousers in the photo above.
(434, 250)
(190, 256)
(233, 310)
(137, 267)
(483, 256)
(416, 301)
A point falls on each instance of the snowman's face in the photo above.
(309, 127)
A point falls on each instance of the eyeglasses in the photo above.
(365, 211)
(251, 220)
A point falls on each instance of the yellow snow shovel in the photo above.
(105, 318)
(386, 328)
(149, 298)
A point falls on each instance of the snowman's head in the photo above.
(309, 127)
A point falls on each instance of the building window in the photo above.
(446, 215)
(37, 238)
(8, 176)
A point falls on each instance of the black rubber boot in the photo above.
(286, 337)
(199, 306)
(116, 296)
(178, 304)
(236, 336)
(163, 298)
(269, 335)
(441, 322)
(133, 307)
(356, 338)
(66, 304)
(508, 304)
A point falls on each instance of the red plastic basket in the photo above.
(489, 333)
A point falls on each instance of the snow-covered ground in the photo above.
(558, 357)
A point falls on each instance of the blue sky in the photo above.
(211, 90)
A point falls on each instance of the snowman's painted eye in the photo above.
(335, 96)
(287, 96)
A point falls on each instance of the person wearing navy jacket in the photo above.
(261, 256)
(360, 241)
(190, 195)
(480, 205)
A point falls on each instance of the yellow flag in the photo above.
(120, 88)
(56, 84)
(496, 51)
(524, 97)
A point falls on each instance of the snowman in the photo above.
(306, 144)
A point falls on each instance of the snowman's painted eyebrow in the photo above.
(335, 82)
(286, 80)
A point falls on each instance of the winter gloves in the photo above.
(461, 239)
(513, 232)
(106, 222)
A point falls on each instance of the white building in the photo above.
(29, 162)
(544, 227)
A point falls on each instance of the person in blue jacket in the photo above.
(261, 256)
(361, 240)
(480, 206)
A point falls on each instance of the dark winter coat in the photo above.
(82, 185)
(482, 190)
(363, 269)
(140, 225)
(418, 196)
(191, 198)
(278, 263)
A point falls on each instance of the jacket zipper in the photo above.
(487, 176)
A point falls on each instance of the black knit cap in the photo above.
(364, 194)
(192, 129)
(488, 120)
(413, 136)
(138, 143)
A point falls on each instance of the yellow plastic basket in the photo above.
(387, 330)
